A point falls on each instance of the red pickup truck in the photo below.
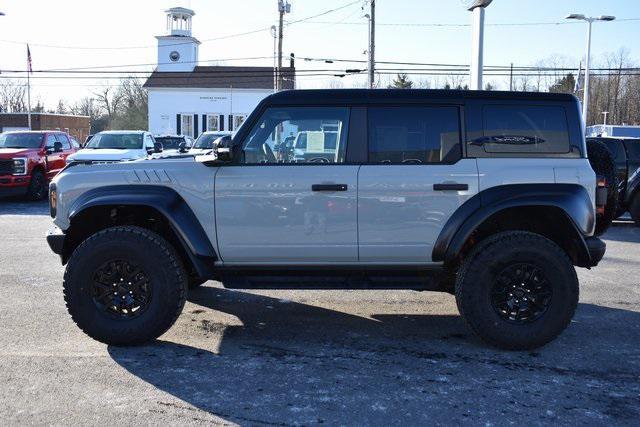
(30, 159)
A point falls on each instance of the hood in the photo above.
(200, 151)
(107, 154)
(6, 153)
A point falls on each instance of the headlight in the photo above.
(19, 166)
(53, 200)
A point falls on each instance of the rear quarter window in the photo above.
(524, 129)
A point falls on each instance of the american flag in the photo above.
(29, 60)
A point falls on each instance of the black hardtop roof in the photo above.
(367, 95)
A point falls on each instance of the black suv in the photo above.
(626, 156)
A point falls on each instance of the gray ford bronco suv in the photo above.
(485, 195)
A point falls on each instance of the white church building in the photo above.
(187, 99)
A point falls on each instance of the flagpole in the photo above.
(28, 87)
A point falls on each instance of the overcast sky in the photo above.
(86, 33)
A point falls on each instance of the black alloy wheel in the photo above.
(521, 293)
(121, 289)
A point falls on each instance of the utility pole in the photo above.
(274, 34)
(605, 114)
(511, 78)
(283, 7)
(372, 44)
(477, 8)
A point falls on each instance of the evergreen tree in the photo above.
(402, 81)
(564, 85)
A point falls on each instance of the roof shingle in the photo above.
(209, 77)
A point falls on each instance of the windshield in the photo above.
(205, 141)
(21, 140)
(119, 141)
(169, 143)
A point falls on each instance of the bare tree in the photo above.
(12, 96)
(109, 101)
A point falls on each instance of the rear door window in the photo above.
(524, 129)
(414, 135)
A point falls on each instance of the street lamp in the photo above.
(477, 8)
(589, 20)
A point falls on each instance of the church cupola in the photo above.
(178, 49)
(179, 21)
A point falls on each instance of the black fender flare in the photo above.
(572, 199)
(169, 203)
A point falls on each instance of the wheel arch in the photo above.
(158, 208)
(561, 212)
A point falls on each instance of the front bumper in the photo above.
(13, 185)
(55, 239)
(596, 248)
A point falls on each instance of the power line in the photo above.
(225, 37)
(454, 25)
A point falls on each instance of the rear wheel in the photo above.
(125, 286)
(517, 290)
(37, 186)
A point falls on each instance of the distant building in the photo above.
(76, 126)
(188, 99)
(614, 130)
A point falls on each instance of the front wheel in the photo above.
(517, 290)
(37, 186)
(125, 286)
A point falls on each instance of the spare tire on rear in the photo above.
(603, 165)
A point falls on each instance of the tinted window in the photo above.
(206, 140)
(51, 140)
(524, 129)
(122, 141)
(414, 134)
(170, 143)
(633, 149)
(21, 140)
(66, 145)
(298, 135)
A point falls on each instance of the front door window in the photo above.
(298, 135)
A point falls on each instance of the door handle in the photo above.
(329, 187)
(450, 187)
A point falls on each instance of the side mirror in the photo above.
(157, 147)
(226, 149)
(183, 148)
(57, 147)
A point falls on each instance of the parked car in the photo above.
(204, 143)
(174, 144)
(74, 142)
(88, 138)
(626, 157)
(116, 146)
(488, 195)
(29, 160)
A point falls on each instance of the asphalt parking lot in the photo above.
(311, 357)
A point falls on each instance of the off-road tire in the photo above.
(37, 186)
(159, 261)
(479, 272)
(603, 164)
(634, 208)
